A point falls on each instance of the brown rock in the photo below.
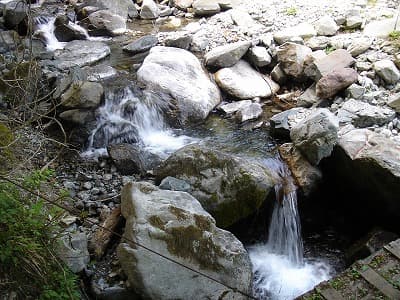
(335, 81)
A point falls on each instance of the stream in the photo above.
(129, 115)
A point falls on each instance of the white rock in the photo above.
(303, 30)
(326, 26)
(386, 69)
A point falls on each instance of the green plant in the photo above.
(394, 35)
(329, 49)
(291, 11)
(28, 265)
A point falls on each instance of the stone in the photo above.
(83, 95)
(149, 10)
(387, 70)
(100, 72)
(245, 22)
(353, 19)
(178, 74)
(174, 184)
(337, 59)
(278, 75)
(306, 176)
(142, 44)
(362, 114)
(102, 237)
(291, 57)
(229, 187)
(127, 158)
(309, 67)
(64, 32)
(333, 82)
(233, 107)
(179, 40)
(227, 55)
(318, 43)
(105, 23)
(80, 53)
(203, 8)
(73, 251)
(326, 25)
(316, 135)
(303, 30)
(14, 13)
(243, 82)
(78, 116)
(394, 102)
(381, 28)
(282, 123)
(175, 224)
(359, 46)
(182, 4)
(249, 112)
(355, 91)
(123, 8)
(259, 56)
(309, 97)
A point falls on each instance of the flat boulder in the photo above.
(175, 225)
(80, 53)
(178, 74)
(226, 55)
(243, 82)
(230, 188)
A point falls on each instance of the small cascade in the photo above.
(134, 117)
(281, 271)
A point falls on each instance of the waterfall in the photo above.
(135, 117)
(280, 270)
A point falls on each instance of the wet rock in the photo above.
(387, 70)
(338, 59)
(142, 44)
(179, 40)
(249, 112)
(105, 23)
(243, 82)
(306, 176)
(326, 26)
(230, 188)
(100, 72)
(177, 226)
(178, 73)
(359, 46)
(259, 56)
(282, 123)
(394, 102)
(174, 184)
(362, 114)
(309, 97)
(333, 82)
(149, 10)
(303, 30)
(80, 53)
(78, 116)
(83, 95)
(291, 57)
(127, 158)
(72, 250)
(204, 8)
(227, 55)
(64, 32)
(233, 107)
(122, 8)
(316, 135)
(369, 244)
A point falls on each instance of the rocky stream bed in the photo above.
(196, 128)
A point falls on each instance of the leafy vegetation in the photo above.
(28, 231)
(291, 11)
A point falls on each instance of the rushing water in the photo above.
(281, 271)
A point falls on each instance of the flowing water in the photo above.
(281, 271)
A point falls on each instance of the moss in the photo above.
(179, 213)
(190, 243)
(156, 221)
(6, 139)
(204, 223)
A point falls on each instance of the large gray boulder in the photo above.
(105, 23)
(229, 187)
(243, 82)
(226, 55)
(326, 25)
(83, 95)
(362, 114)
(178, 74)
(175, 225)
(80, 53)
(316, 135)
(123, 8)
(291, 58)
(14, 13)
(65, 32)
(149, 10)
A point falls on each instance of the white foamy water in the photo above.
(125, 118)
(280, 270)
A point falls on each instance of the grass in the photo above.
(394, 35)
(291, 11)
